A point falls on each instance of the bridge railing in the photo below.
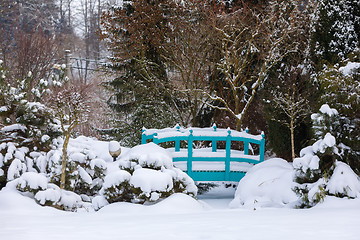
(235, 163)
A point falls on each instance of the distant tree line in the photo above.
(266, 65)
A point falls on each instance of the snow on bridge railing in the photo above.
(209, 164)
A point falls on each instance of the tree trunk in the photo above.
(292, 139)
(64, 158)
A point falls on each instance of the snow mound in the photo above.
(33, 180)
(116, 178)
(151, 182)
(48, 195)
(177, 203)
(267, 184)
(344, 181)
(350, 68)
(325, 108)
(99, 202)
(149, 154)
(12, 200)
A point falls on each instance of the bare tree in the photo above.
(70, 105)
(296, 108)
(188, 56)
(252, 42)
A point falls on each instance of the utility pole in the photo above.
(67, 63)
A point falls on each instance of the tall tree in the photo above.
(336, 32)
(188, 55)
(135, 33)
(252, 42)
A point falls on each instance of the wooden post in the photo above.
(177, 145)
(227, 159)
(155, 139)
(262, 147)
(143, 136)
(246, 144)
(67, 63)
(177, 142)
(214, 142)
(190, 152)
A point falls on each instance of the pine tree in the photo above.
(141, 93)
(336, 32)
(340, 89)
(25, 123)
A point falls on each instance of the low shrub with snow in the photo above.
(317, 170)
(267, 184)
(146, 174)
(319, 173)
(32, 182)
(307, 181)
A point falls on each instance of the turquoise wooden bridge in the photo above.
(209, 164)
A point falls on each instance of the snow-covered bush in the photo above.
(27, 125)
(59, 198)
(340, 88)
(267, 184)
(32, 182)
(117, 188)
(85, 169)
(319, 173)
(142, 174)
(146, 173)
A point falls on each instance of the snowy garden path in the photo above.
(181, 217)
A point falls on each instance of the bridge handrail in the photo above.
(213, 134)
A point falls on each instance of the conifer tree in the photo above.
(336, 32)
(135, 33)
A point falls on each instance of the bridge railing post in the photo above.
(262, 147)
(177, 142)
(227, 159)
(246, 144)
(143, 136)
(155, 139)
(214, 142)
(190, 152)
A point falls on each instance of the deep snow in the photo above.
(179, 217)
(261, 208)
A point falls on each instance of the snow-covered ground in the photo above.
(179, 217)
(262, 207)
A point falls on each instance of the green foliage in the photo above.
(128, 191)
(317, 164)
(25, 122)
(141, 96)
(151, 114)
(340, 89)
(122, 192)
(336, 32)
(205, 187)
(20, 105)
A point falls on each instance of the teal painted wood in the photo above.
(216, 176)
(190, 153)
(213, 135)
(227, 158)
(214, 142)
(262, 147)
(215, 159)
